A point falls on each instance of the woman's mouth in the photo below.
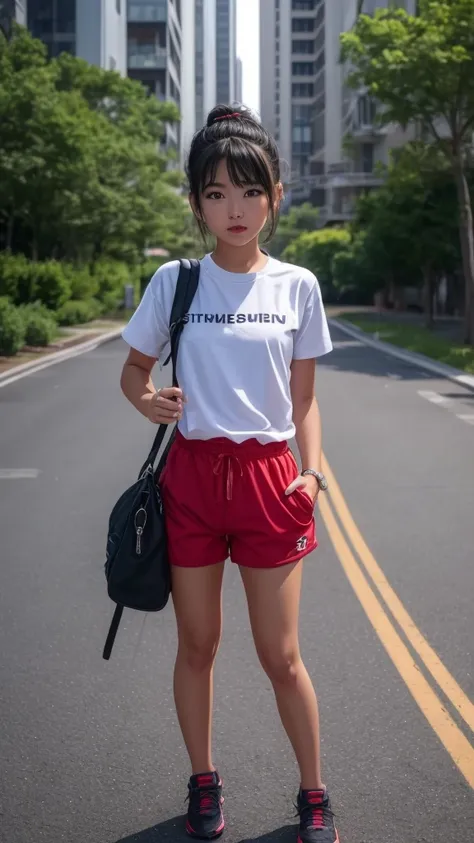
(237, 229)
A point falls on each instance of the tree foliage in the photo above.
(316, 250)
(300, 218)
(421, 68)
(82, 173)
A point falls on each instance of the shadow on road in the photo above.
(282, 835)
(172, 831)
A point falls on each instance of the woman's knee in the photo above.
(198, 651)
(282, 668)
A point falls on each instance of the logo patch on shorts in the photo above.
(302, 543)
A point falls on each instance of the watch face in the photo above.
(323, 483)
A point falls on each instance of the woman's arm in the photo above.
(160, 407)
(307, 420)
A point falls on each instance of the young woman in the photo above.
(231, 486)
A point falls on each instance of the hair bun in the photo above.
(229, 112)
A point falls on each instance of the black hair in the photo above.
(234, 134)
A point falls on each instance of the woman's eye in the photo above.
(254, 191)
(214, 195)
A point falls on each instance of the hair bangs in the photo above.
(246, 164)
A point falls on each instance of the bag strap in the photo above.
(112, 631)
(186, 286)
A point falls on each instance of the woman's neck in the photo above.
(240, 259)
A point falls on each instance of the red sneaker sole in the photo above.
(213, 836)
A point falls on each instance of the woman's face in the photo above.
(234, 215)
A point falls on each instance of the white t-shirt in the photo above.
(236, 349)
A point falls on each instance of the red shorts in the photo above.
(224, 498)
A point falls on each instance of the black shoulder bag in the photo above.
(137, 568)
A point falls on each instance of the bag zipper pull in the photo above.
(139, 528)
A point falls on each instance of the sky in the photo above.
(248, 48)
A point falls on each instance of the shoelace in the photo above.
(314, 813)
(209, 798)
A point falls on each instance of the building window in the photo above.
(302, 25)
(303, 5)
(301, 114)
(303, 68)
(302, 89)
(118, 6)
(367, 158)
(306, 46)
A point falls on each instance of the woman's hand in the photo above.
(166, 405)
(308, 484)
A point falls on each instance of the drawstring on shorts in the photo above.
(224, 464)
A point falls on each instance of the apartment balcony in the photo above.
(142, 57)
(147, 12)
(347, 179)
(367, 132)
(332, 214)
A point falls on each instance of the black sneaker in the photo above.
(316, 817)
(205, 818)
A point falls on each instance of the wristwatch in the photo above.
(322, 482)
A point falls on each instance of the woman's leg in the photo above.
(273, 598)
(197, 598)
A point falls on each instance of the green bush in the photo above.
(147, 270)
(112, 276)
(51, 285)
(82, 283)
(17, 278)
(12, 328)
(78, 312)
(40, 324)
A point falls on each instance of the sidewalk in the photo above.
(77, 341)
(420, 360)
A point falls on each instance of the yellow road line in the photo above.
(444, 726)
(430, 658)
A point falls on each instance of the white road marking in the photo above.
(18, 473)
(26, 369)
(434, 397)
(442, 401)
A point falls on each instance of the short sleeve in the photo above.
(312, 338)
(148, 329)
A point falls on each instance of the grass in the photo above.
(417, 339)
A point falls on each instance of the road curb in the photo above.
(412, 357)
(33, 366)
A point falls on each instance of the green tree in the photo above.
(422, 70)
(300, 218)
(81, 170)
(410, 224)
(316, 250)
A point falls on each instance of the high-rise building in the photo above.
(226, 50)
(155, 53)
(94, 30)
(307, 104)
(199, 66)
(238, 80)
(10, 11)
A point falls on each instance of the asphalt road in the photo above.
(91, 752)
